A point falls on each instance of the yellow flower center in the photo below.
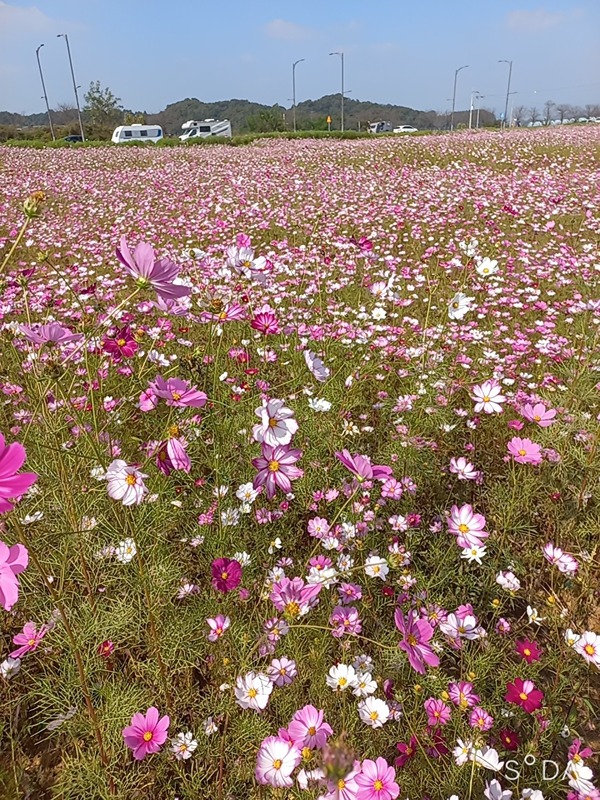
(342, 681)
(173, 431)
(523, 696)
(589, 649)
(224, 575)
(277, 763)
(273, 466)
(486, 399)
(121, 342)
(376, 569)
(537, 418)
(341, 784)
(312, 730)
(463, 528)
(522, 452)
(292, 608)
(378, 785)
(176, 395)
(272, 423)
(31, 642)
(412, 640)
(131, 480)
(455, 305)
(183, 747)
(373, 715)
(147, 736)
(527, 651)
(252, 693)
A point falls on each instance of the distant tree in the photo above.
(519, 114)
(563, 110)
(64, 113)
(534, 115)
(548, 108)
(102, 107)
(267, 121)
(134, 118)
(592, 110)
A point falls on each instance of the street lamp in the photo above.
(454, 95)
(37, 54)
(66, 38)
(479, 99)
(506, 61)
(474, 93)
(294, 90)
(341, 55)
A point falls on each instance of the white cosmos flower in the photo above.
(31, 518)
(125, 483)
(183, 745)
(209, 726)
(246, 493)
(486, 267)
(253, 690)
(462, 752)
(277, 425)
(376, 567)
(494, 791)
(459, 305)
(316, 366)
(275, 762)
(126, 551)
(580, 777)
(342, 677)
(474, 553)
(10, 667)
(319, 404)
(373, 712)
(588, 646)
(365, 685)
(488, 758)
(571, 638)
(533, 617)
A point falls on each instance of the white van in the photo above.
(204, 129)
(137, 133)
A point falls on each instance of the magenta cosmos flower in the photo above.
(147, 733)
(376, 781)
(120, 344)
(276, 469)
(523, 693)
(308, 728)
(12, 458)
(178, 393)
(438, 713)
(53, 333)
(528, 650)
(416, 635)
(524, 451)
(125, 483)
(276, 760)
(226, 574)
(468, 527)
(172, 455)
(13, 560)
(361, 467)
(265, 321)
(28, 639)
(538, 413)
(147, 271)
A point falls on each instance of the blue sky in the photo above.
(154, 52)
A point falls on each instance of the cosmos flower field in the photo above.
(299, 470)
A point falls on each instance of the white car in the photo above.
(406, 129)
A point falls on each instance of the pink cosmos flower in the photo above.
(226, 574)
(345, 620)
(481, 719)
(147, 271)
(361, 467)
(178, 393)
(523, 693)
(468, 527)
(242, 260)
(28, 639)
(218, 625)
(13, 560)
(120, 344)
(52, 333)
(308, 728)
(524, 451)
(282, 671)
(277, 423)
(265, 321)
(488, 397)
(125, 483)
(463, 469)
(540, 414)
(565, 562)
(172, 455)
(231, 313)
(416, 633)
(588, 646)
(275, 762)
(462, 695)
(376, 781)
(276, 469)
(438, 713)
(12, 486)
(147, 733)
(293, 598)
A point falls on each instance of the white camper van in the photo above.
(379, 127)
(208, 127)
(137, 133)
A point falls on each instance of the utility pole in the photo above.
(341, 55)
(510, 63)
(294, 91)
(454, 95)
(66, 38)
(37, 53)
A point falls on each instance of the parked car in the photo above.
(73, 138)
(406, 129)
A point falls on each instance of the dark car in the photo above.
(73, 138)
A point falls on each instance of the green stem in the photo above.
(15, 243)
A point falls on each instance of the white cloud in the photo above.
(287, 31)
(16, 20)
(534, 21)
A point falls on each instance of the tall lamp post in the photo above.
(66, 38)
(294, 65)
(341, 55)
(37, 54)
(454, 95)
(506, 61)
